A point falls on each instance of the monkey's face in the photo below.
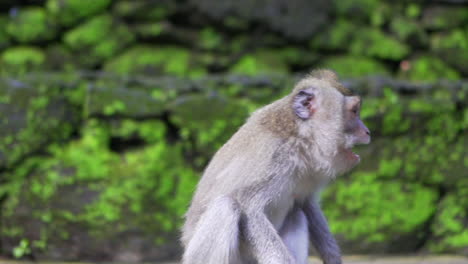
(332, 120)
(355, 132)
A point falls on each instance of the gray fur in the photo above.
(226, 248)
(294, 233)
(320, 235)
(255, 202)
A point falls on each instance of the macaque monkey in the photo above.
(257, 199)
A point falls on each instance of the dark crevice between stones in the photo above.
(7, 5)
(426, 228)
(40, 151)
(173, 131)
(119, 144)
(2, 200)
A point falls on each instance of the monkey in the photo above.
(258, 199)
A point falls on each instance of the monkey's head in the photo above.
(329, 114)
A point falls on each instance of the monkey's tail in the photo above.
(216, 239)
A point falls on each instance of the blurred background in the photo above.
(110, 110)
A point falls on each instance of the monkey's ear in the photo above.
(305, 104)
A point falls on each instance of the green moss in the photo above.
(26, 128)
(109, 100)
(149, 131)
(21, 59)
(354, 66)
(449, 229)
(163, 59)
(371, 42)
(152, 179)
(210, 39)
(337, 37)
(429, 69)
(452, 47)
(68, 12)
(261, 62)
(152, 29)
(374, 43)
(142, 10)
(20, 29)
(378, 209)
(99, 38)
(456, 39)
(408, 30)
(209, 126)
(413, 10)
(23, 56)
(444, 17)
(394, 120)
(360, 8)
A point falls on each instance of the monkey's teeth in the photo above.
(357, 157)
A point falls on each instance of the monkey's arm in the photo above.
(264, 241)
(320, 234)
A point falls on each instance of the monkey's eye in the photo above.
(354, 110)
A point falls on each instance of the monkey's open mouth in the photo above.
(351, 155)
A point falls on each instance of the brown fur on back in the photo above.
(280, 121)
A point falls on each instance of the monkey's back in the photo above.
(232, 167)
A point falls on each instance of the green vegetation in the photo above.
(430, 69)
(354, 66)
(20, 26)
(98, 39)
(68, 12)
(21, 58)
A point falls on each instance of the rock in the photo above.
(99, 39)
(171, 60)
(444, 17)
(451, 46)
(409, 31)
(144, 10)
(106, 101)
(68, 12)
(4, 37)
(286, 17)
(32, 118)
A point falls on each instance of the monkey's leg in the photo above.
(320, 234)
(294, 233)
(216, 238)
(264, 241)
